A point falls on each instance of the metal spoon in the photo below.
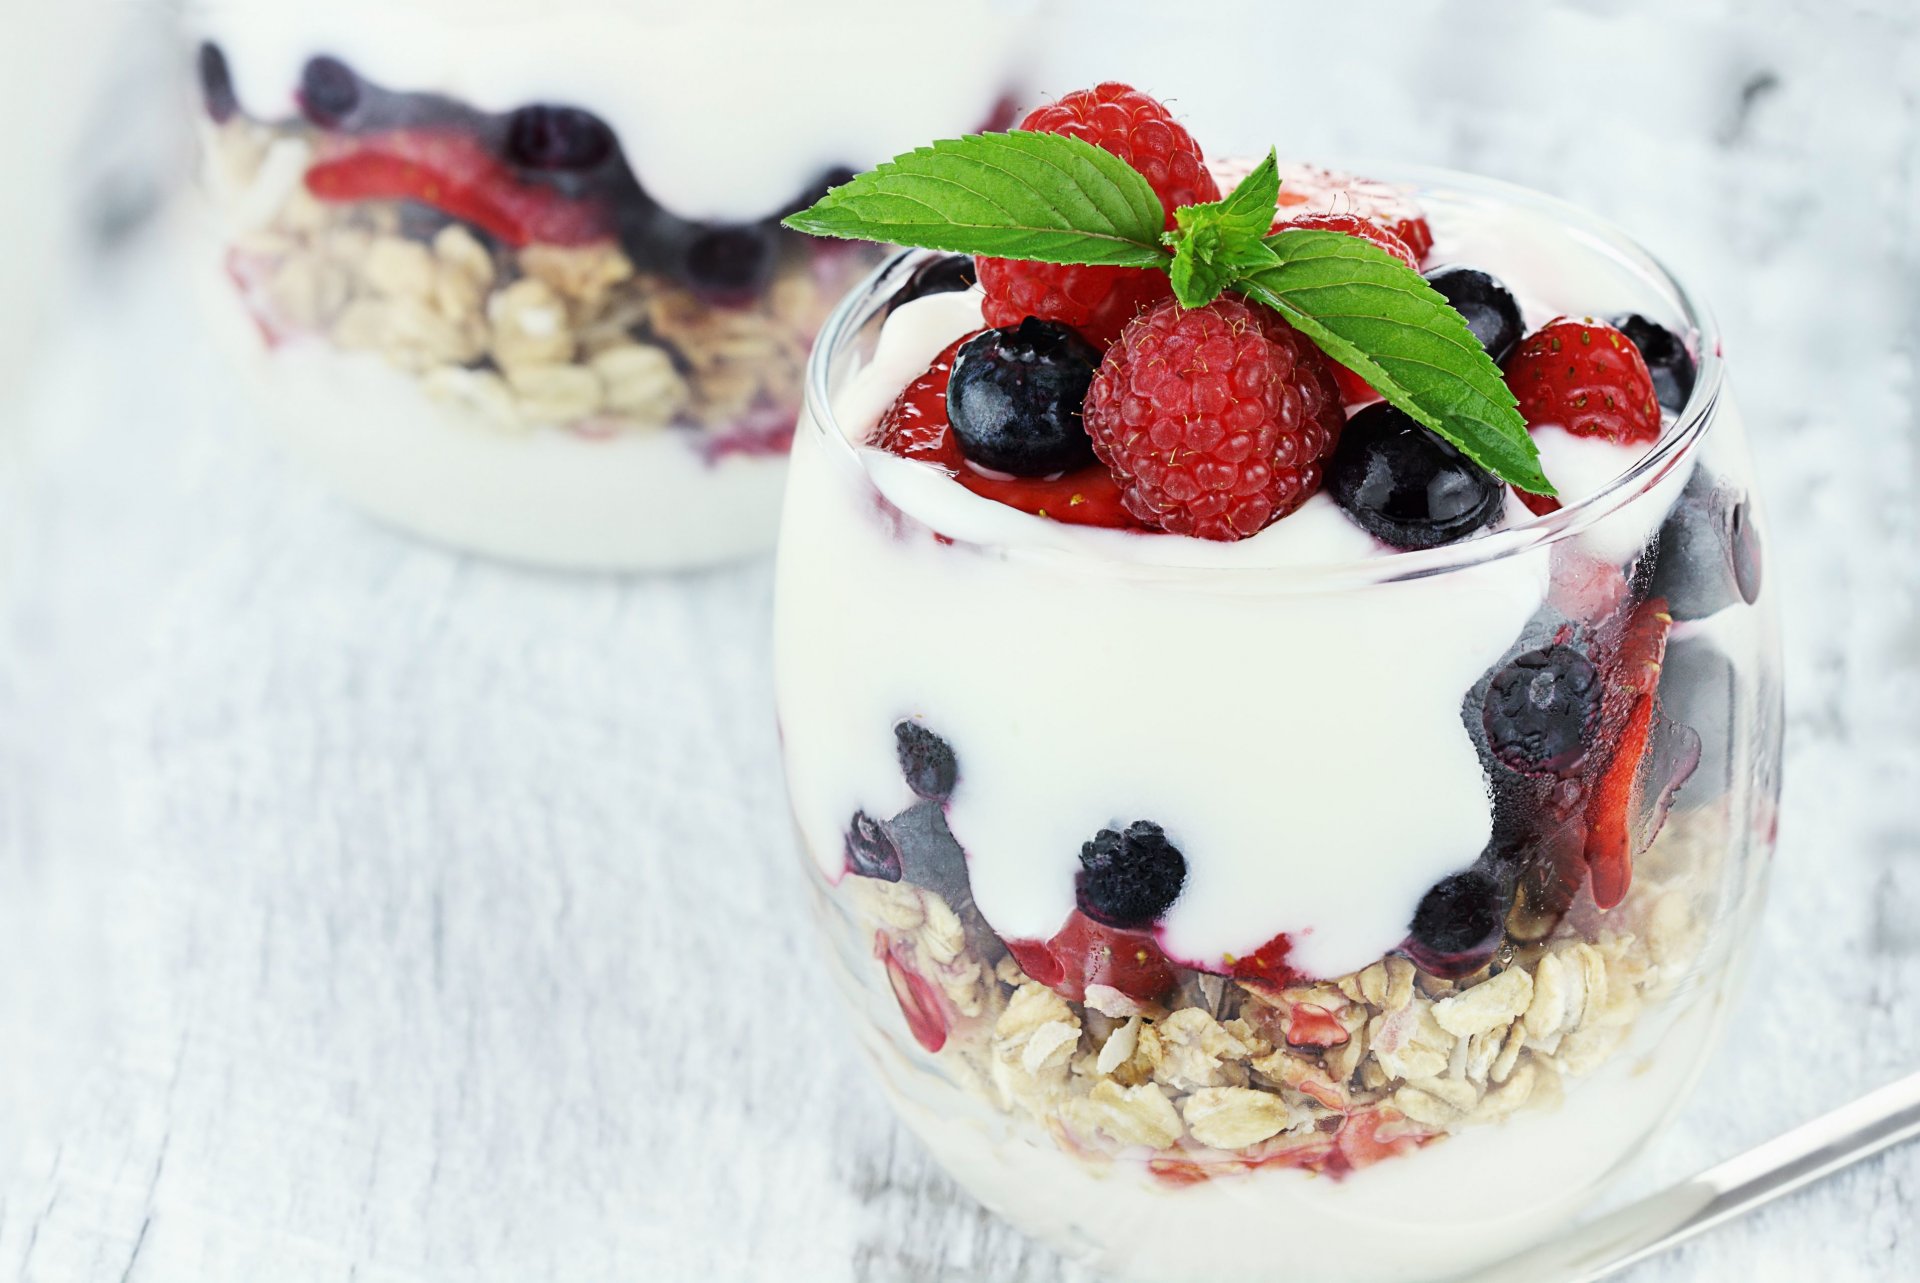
(1639, 1230)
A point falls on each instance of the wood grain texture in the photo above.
(377, 914)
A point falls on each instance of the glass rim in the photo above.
(1676, 443)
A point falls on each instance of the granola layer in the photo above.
(541, 336)
(1328, 1076)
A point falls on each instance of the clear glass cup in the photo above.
(511, 274)
(953, 701)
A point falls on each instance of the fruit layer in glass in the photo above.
(1466, 842)
(511, 274)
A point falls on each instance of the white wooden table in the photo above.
(370, 913)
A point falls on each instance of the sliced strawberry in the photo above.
(1311, 1026)
(1179, 1171)
(915, 427)
(1610, 813)
(1266, 965)
(1371, 1135)
(455, 174)
(1085, 952)
(1627, 721)
(251, 274)
(919, 1003)
(1311, 1152)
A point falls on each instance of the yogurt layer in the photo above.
(1299, 736)
(726, 110)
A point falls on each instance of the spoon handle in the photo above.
(1856, 1130)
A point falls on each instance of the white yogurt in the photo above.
(727, 110)
(1301, 744)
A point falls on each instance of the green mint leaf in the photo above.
(1214, 242)
(1379, 318)
(1250, 206)
(1026, 195)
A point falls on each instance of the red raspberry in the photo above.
(1588, 378)
(1099, 300)
(1353, 388)
(1307, 189)
(1352, 225)
(1215, 420)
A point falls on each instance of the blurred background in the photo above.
(283, 999)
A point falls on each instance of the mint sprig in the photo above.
(1053, 199)
(1214, 244)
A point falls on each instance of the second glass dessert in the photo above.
(511, 275)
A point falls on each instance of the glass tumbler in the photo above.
(511, 274)
(1422, 1059)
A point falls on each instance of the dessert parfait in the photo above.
(513, 275)
(1277, 692)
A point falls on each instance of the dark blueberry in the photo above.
(1490, 310)
(1128, 879)
(1698, 688)
(930, 856)
(1405, 486)
(1701, 549)
(1016, 396)
(1673, 756)
(329, 91)
(926, 761)
(871, 850)
(731, 260)
(216, 83)
(1460, 923)
(557, 138)
(946, 274)
(1667, 358)
(1541, 710)
(420, 222)
(1746, 551)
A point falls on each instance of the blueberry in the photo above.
(930, 856)
(1016, 395)
(1489, 309)
(1667, 358)
(926, 761)
(731, 260)
(1747, 560)
(1405, 486)
(329, 91)
(1707, 555)
(871, 850)
(1541, 710)
(1129, 879)
(1699, 688)
(946, 274)
(1460, 924)
(216, 83)
(557, 138)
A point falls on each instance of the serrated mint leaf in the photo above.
(1215, 241)
(1026, 195)
(1379, 318)
(1250, 206)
